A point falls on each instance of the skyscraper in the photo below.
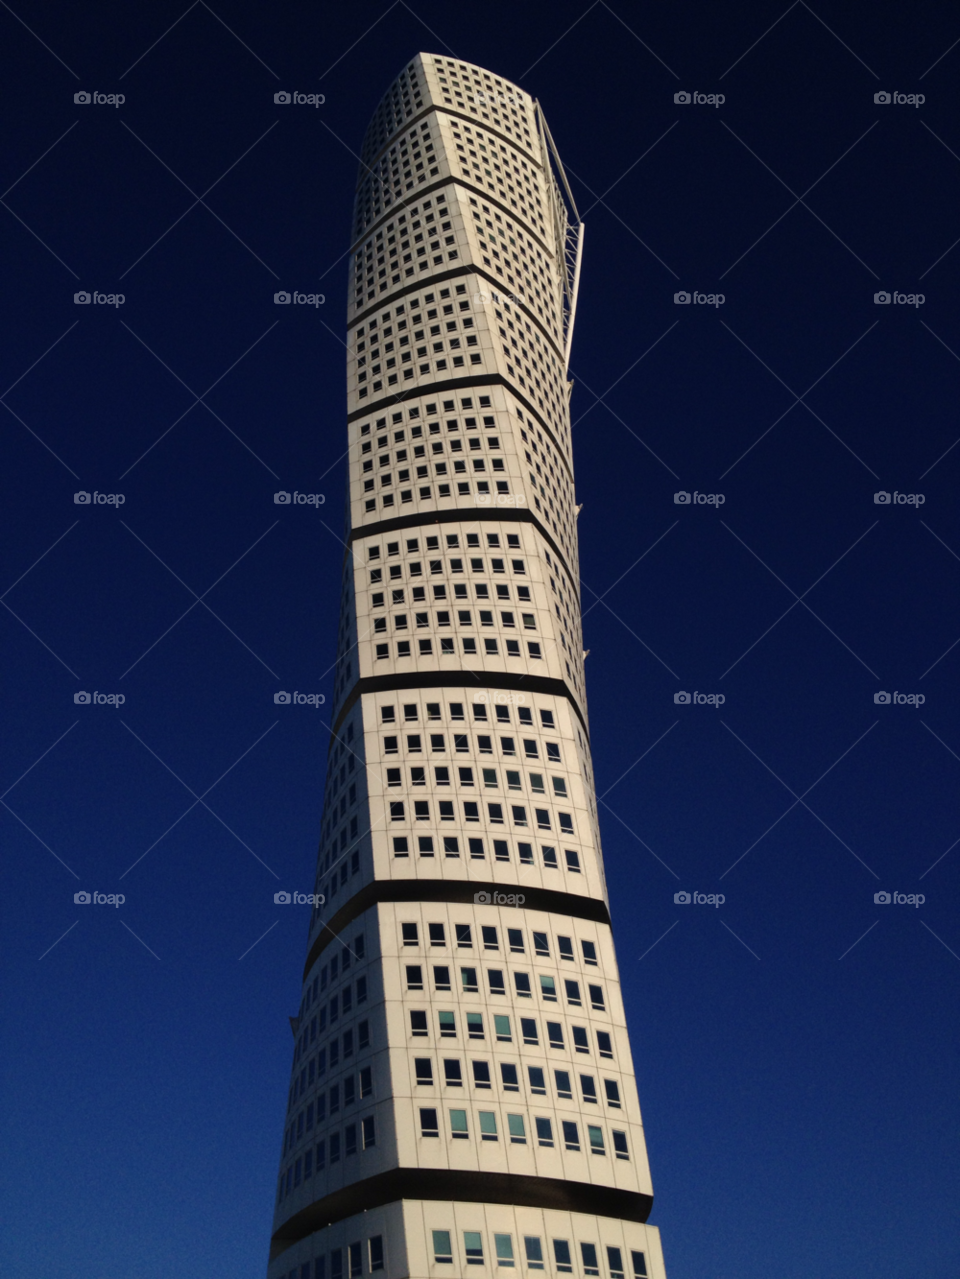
(462, 1088)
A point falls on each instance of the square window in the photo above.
(473, 1247)
(533, 1251)
(488, 1125)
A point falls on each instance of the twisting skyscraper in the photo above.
(462, 1091)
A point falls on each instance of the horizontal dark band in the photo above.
(460, 514)
(549, 900)
(447, 1184)
(458, 679)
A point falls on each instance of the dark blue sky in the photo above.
(796, 1047)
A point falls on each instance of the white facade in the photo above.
(462, 1092)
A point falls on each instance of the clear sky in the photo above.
(795, 1046)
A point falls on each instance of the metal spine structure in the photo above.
(462, 1089)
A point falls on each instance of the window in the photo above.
(463, 935)
(571, 1137)
(448, 1025)
(481, 1074)
(508, 1077)
(534, 1252)
(437, 935)
(418, 1023)
(580, 1042)
(596, 1140)
(573, 992)
(548, 989)
(452, 1076)
(589, 952)
(375, 1252)
(604, 1043)
(458, 1124)
(442, 1251)
(620, 1145)
(537, 1081)
(488, 1125)
(501, 1025)
(409, 934)
(639, 1263)
(441, 977)
(565, 947)
(554, 1033)
(596, 998)
(414, 977)
(522, 984)
(615, 1263)
(495, 978)
(573, 860)
(562, 1080)
(515, 940)
(588, 1253)
(503, 1246)
(473, 1247)
(540, 944)
(544, 1132)
(588, 1088)
(474, 1021)
(561, 1255)
(489, 938)
(423, 1068)
(528, 1029)
(612, 1089)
